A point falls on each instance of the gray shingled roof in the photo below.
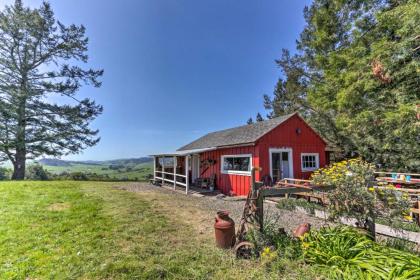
(235, 136)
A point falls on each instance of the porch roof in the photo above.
(185, 152)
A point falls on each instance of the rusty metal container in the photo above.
(224, 228)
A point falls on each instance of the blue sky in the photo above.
(177, 69)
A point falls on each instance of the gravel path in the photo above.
(211, 204)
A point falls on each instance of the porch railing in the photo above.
(172, 177)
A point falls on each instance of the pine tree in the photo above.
(355, 78)
(259, 118)
(250, 121)
(35, 56)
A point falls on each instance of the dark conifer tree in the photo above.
(41, 58)
(259, 118)
(355, 78)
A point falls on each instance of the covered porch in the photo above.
(179, 168)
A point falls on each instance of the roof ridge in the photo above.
(255, 123)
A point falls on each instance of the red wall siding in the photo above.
(285, 136)
(227, 183)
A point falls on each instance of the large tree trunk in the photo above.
(19, 166)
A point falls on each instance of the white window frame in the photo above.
(234, 172)
(316, 155)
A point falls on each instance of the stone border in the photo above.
(379, 228)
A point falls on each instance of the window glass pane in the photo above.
(244, 164)
(228, 164)
(276, 160)
(236, 164)
(309, 161)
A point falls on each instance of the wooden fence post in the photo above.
(418, 208)
(370, 226)
(174, 159)
(257, 200)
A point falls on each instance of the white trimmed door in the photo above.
(281, 163)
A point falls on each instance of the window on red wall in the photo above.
(310, 161)
(236, 164)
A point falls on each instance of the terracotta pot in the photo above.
(301, 230)
(224, 228)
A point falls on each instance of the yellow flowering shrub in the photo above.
(339, 172)
(354, 192)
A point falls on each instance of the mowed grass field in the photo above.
(130, 172)
(91, 230)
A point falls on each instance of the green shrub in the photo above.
(4, 173)
(275, 238)
(354, 195)
(345, 253)
(399, 244)
(350, 196)
(78, 176)
(36, 172)
(291, 204)
(400, 224)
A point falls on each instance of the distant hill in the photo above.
(125, 162)
(130, 168)
(54, 162)
(129, 161)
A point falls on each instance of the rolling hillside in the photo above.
(132, 169)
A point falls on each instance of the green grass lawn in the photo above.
(89, 230)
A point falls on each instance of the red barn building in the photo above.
(283, 147)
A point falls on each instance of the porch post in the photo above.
(163, 170)
(174, 172)
(154, 169)
(187, 179)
